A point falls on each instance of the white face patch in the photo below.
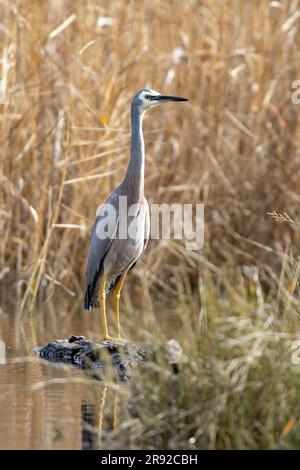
(145, 98)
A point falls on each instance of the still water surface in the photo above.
(51, 406)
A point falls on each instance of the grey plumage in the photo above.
(114, 255)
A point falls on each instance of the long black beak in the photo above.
(165, 98)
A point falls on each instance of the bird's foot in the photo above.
(113, 339)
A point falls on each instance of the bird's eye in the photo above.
(148, 97)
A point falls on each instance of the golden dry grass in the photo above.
(68, 72)
(67, 81)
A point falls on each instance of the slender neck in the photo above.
(134, 178)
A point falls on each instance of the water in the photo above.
(51, 406)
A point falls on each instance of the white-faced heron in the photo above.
(117, 242)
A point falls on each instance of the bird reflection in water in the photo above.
(94, 422)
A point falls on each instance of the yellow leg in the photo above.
(116, 296)
(102, 298)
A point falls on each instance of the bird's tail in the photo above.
(89, 300)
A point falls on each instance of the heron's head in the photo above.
(148, 98)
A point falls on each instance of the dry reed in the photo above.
(68, 70)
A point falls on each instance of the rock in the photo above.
(98, 359)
